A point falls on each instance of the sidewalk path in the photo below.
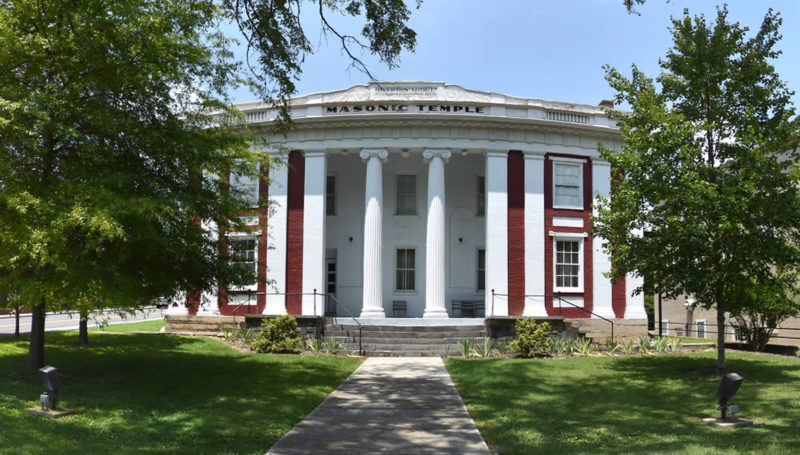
(403, 405)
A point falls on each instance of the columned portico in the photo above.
(435, 237)
(373, 234)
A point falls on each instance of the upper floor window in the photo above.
(330, 195)
(480, 202)
(246, 187)
(406, 194)
(567, 185)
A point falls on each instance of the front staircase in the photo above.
(383, 340)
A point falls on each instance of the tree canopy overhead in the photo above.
(105, 126)
(708, 169)
(277, 43)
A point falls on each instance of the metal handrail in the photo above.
(560, 299)
(336, 301)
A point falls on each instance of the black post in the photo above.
(660, 316)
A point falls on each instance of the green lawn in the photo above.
(634, 404)
(155, 393)
(141, 326)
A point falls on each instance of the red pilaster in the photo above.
(516, 232)
(294, 233)
(585, 213)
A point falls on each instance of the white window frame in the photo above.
(397, 195)
(253, 198)
(569, 237)
(664, 324)
(568, 162)
(246, 236)
(697, 328)
(415, 269)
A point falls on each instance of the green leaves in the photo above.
(707, 168)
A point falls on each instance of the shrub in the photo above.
(278, 335)
(533, 339)
(465, 347)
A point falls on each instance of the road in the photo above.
(69, 321)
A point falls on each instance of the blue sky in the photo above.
(537, 48)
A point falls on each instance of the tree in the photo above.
(708, 168)
(106, 119)
(277, 43)
(767, 307)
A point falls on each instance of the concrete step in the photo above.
(391, 341)
(409, 328)
(406, 335)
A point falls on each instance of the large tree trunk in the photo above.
(36, 349)
(720, 337)
(83, 329)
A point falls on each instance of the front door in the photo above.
(330, 287)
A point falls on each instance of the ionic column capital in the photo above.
(534, 156)
(381, 154)
(429, 154)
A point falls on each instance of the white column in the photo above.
(372, 305)
(534, 235)
(435, 239)
(601, 262)
(497, 232)
(314, 232)
(276, 240)
(209, 300)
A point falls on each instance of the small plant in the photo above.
(245, 335)
(626, 347)
(558, 346)
(661, 344)
(229, 334)
(465, 347)
(532, 338)
(674, 343)
(278, 335)
(486, 349)
(645, 344)
(570, 346)
(501, 348)
(332, 346)
(585, 346)
(611, 346)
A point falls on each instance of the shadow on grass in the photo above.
(143, 393)
(627, 404)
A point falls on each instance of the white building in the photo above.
(423, 199)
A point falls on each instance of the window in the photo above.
(406, 194)
(701, 328)
(480, 202)
(406, 270)
(244, 253)
(567, 181)
(665, 327)
(568, 264)
(330, 195)
(481, 270)
(739, 333)
(245, 187)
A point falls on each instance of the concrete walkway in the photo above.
(403, 405)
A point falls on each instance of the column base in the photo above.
(436, 314)
(373, 313)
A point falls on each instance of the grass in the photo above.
(140, 326)
(154, 393)
(636, 404)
